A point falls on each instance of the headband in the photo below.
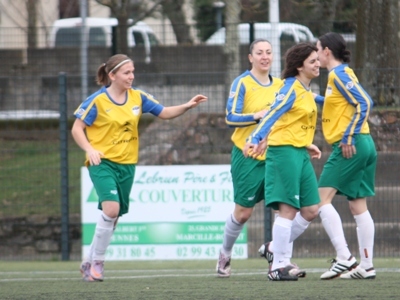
(118, 65)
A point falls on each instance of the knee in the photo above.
(111, 214)
(243, 216)
(110, 209)
(309, 213)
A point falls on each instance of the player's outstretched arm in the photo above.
(171, 112)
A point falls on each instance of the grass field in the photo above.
(189, 280)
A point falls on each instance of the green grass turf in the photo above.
(189, 280)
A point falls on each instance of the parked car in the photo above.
(286, 31)
(67, 33)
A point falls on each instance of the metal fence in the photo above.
(38, 158)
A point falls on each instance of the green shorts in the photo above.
(291, 178)
(354, 177)
(248, 178)
(113, 182)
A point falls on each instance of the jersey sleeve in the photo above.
(87, 111)
(283, 103)
(150, 105)
(234, 107)
(354, 94)
(319, 99)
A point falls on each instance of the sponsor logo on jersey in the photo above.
(328, 90)
(349, 85)
(136, 110)
(80, 112)
(280, 97)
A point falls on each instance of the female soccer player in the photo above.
(106, 128)
(290, 181)
(350, 169)
(251, 95)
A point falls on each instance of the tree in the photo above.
(173, 9)
(231, 49)
(377, 55)
(31, 9)
(119, 9)
(138, 10)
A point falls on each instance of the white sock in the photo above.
(365, 236)
(89, 257)
(281, 233)
(298, 227)
(232, 230)
(333, 226)
(102, 237)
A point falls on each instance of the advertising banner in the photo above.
(175, 212)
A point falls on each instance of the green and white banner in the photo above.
(176, 212)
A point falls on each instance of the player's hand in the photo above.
(250, 150)
(314, 151)
(262, 147)
(94, 157)
(260, 114)
(196, 100)
(347, 150)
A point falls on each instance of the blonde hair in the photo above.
(111, 66)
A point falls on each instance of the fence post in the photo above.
(62, 88)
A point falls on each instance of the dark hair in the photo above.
(256, 41)
(336, 43)
(295, 57)
(105, 68)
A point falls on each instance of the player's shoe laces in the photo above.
(223, 265)
(359, 273)
(339, 266)
(264, 252)
(97, 270)
(282, 274)
(85, 271)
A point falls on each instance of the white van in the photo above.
(286, 31)
(67, 33)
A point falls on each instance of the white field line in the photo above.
(168, 273)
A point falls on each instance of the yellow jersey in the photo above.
(248, 96)
(112, 128)
(346, 107)
(291, 119)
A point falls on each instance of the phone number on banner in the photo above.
(150, 252)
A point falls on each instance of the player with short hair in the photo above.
(106, 128)
(350, 169)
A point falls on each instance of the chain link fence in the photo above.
(32, 144)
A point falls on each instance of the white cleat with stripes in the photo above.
(359, 273)
(339, 266)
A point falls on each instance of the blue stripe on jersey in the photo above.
(283, 103)
(149, 104)
(234, 106)
(354, 93)
(91, 115)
